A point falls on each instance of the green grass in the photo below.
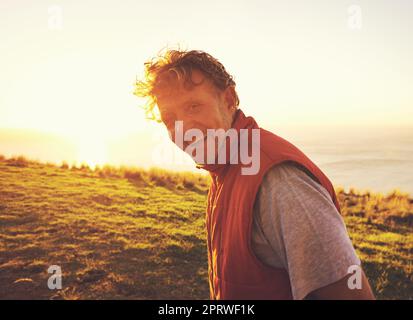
(127, 233)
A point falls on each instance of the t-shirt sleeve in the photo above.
(304, 229)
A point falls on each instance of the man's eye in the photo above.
(194, 107)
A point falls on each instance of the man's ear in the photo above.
(229, 96)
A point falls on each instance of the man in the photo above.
(273, 234)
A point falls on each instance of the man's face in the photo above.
(202, 107)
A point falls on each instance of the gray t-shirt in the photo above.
(297, 227)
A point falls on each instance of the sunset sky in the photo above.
(296, 63)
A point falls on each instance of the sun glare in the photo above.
(91, 151)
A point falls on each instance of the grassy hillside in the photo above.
(124, 233)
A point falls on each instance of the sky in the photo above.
(68, 67)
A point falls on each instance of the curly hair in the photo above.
(179, 64)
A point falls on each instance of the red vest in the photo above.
(234, 271)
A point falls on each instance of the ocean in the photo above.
(377, 159)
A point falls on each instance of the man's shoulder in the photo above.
(287, 170)
(286, 177)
